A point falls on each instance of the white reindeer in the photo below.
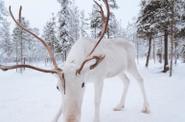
(119, 58)
(108, 58)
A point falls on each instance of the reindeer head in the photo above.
(71, 77)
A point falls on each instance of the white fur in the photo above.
(119, 58)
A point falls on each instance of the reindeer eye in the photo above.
(83, 85)
(58, 88)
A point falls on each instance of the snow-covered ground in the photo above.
(32, 97)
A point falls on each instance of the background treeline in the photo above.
(158, 32)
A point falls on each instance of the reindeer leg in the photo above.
(58, 114)
(133, 70)
(98, 88)
(125, 81)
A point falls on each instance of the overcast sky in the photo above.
(39, 11)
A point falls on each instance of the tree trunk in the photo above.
(172, 40)
(176, 53)
(21, 50)
(149, 51)
(166, 66)
(162, 53)
(24, 62)
(65, 55)
(108, 33)
(16, 51)
(95, 34)
(137, 42)
(154, 57)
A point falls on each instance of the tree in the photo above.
(5, 40)
(50, 35)
(74, 29)
(169, 16)
(96, 21)
(34, 51)
(68, 21)
(180, 35)
(113, 29)
(3, 11)
(145, 28)
(22, 42)
(157, 15)
(83, 25)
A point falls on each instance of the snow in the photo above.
(32, 97)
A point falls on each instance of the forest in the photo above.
(157, 33)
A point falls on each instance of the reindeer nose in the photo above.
(58, 88)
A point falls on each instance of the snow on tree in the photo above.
(113, 29)
(3, 11)
(83, 25)
(68, 20)
(180, 36)
(50, 35)
(5, 39)
(75, 23)
(34, 51)
(145, 28)
(96, 21)
(156, 19)
(23, 43)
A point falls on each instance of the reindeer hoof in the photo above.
(146, 110)
(118, 108)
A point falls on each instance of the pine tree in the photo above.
(74, 29)
(50, 36)
(156, 17)
(96, 20)
(3, 11)
(33, 51)
(145, 27)
(22, 42)
(180, 35)
(5, 41)
(113, 29)
(83, 25)
(64, 19)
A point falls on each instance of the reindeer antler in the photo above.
(51, 55)
(56, 69)
(98, 60)
(5, 68)
(105, 20)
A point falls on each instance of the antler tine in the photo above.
(101, 9)
(98, 60)
(6, 68)
(20, 14)
(105, 23)
(33, 34)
